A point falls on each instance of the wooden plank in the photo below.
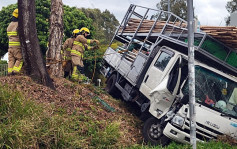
(225, 37)
(219, 27)
(228, 35)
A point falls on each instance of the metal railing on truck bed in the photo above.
(149, 27)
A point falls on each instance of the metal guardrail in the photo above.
(3, 70)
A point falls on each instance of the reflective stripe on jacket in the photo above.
(14, 43)
(77, 53)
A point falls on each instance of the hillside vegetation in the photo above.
(34, 116)
(72, 116)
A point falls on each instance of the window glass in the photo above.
(214, 48)
(215, 91)
(162, 61)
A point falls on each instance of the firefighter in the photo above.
(67, 48)
(15, 60)
(77, 53)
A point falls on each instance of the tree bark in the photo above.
(55, 39)
(33, 58)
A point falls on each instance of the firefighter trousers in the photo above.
(68, 69)
(78, 69)
(15, 60)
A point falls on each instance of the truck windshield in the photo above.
(214, 91)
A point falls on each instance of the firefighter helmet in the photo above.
(75, 32)
(85, 30)
(15, 13)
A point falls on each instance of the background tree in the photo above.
(104, 23)
(33, 59)
(42, 23)
(55, 39)
(109, 26)
(231, 7)
(101, 24)
(73, 18)
(178, 7)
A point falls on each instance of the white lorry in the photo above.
(149, 67)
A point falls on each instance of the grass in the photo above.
(25, 124)
(174, 145)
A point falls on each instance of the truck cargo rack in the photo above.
(149, 27)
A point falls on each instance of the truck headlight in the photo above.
(178, 120)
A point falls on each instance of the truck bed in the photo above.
(125, 65)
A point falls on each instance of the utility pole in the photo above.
(168, 5)
(191, 73)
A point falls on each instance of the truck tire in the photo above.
(110, 85)
(153, 132)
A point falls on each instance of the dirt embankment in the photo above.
(80, 98)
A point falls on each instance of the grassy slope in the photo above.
(33, 116)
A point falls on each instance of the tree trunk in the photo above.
(33, 59)
(55, 39)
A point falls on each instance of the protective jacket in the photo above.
(78, 49)
(12, 33)
(14, 52)
(67, 48)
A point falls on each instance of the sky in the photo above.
(209, 12)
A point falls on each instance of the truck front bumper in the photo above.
(176, 134)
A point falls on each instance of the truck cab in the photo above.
(216, 103)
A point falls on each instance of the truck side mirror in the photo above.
(185, 99)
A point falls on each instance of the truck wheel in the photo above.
(153, 132)
(110, 85)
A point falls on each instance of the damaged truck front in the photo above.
(147, 63)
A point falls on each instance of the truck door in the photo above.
(160, 66)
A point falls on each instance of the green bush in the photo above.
(3, 62)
